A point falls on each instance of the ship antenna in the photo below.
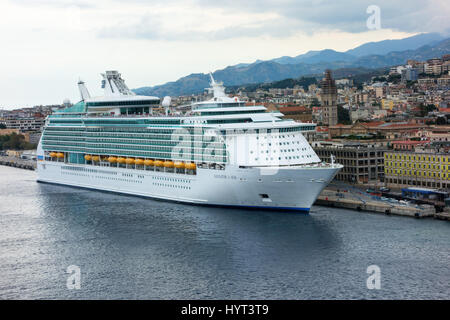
(213, 82)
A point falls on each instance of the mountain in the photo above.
(312, 63)
(312, 57)
(370, 48)
(386, 46)
(400, 57)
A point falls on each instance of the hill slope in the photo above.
(269, 71)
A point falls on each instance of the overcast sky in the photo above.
(47, 45)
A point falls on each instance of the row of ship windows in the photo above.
(137, 139)
(284, 136)
(418, 165)
(85, 169)
(101, 177)
(171, 179)
(123, 174)
(288, 158)
(158, 142)
(272, 130)
(166, 145)
(417, 158)
(281, 150)
(161, 130)
(148, 133)
(171, 186)
(178, 149)
(418, 173)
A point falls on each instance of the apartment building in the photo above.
(412, 168)
(362, 162)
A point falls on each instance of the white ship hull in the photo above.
(283, 188)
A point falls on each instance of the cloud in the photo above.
(55, 3)
(276, 18)
(152, 27)
(210, 20)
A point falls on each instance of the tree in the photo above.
(15, 141)
(343, 115)
(424, 109)
(2, 126)
(441, 120)
(394, 78)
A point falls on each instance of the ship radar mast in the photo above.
(114, 85)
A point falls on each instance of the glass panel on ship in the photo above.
(145, 144)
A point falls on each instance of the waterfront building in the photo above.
(363, 162)
(24, 124)
(297, 113)
(408, 144)
(412, 168)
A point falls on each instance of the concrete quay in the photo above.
(332, 198)
(17, 163)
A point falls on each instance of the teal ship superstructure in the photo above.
(219, 152)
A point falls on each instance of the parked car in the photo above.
(384, 189)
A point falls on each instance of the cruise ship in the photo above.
(219, 152)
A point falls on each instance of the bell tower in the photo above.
(329, 100)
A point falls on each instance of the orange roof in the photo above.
(373, 123)
(292, 109)
(410, 142)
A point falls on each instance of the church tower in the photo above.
(329, 100)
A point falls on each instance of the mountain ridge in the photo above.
(269, 71)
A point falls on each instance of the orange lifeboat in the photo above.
(179, 165)
(60, 155)
(191, 166)
(112, 159)
(88, 157)
(139, 162)
(121, 160)
(168, 164)
(129, 160)
(52, 154)
(159, 163)
(96, 158)
(149, 162)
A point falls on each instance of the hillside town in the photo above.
(392, 131)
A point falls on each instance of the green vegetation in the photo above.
(379, 79)
(410, 84)
(2, 126)
(15, 141)
(394, 78)
(343, 115)
(368, 136)
(282, 84)
(442, 120)
(424, 109)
